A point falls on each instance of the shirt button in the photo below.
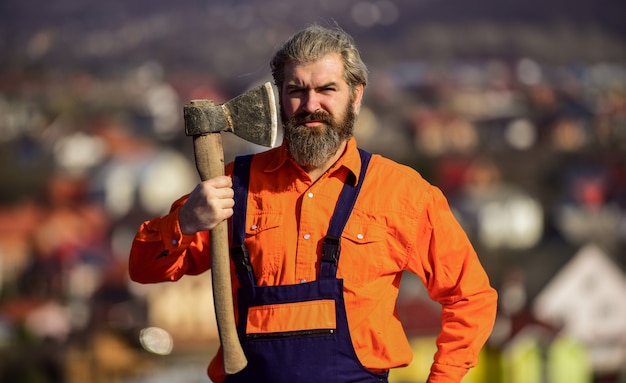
(174, 242)
(307, 236)
(302, 280)
(254, 227)
(359, 236)
(310, 195)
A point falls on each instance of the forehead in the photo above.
(327, 69)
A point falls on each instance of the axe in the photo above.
(251, 116)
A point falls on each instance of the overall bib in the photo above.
(322, 351)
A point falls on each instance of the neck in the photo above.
(315, 172)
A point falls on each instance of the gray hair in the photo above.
(315, 42)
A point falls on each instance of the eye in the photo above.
(294, 91)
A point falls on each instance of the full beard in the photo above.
(313, 147)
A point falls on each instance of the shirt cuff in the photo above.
(173, 236)
(442, 373)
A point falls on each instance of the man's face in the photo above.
(318, 108)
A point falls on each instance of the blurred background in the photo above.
(515, 109)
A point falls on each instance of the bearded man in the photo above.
(328, 230)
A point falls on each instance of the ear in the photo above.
(358, 97)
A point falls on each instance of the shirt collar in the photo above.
(350, 159)
(278, 160)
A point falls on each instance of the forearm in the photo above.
(466, 326)
(456, 279)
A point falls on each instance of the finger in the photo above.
(226, 213)
(220, 182)
(209, 190)
(227, 203)
(225, 193)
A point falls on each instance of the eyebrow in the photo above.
(326, 85)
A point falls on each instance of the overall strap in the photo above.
(238, 251)
(332, 246)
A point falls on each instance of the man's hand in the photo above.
(209, 203)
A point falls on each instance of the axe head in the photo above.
(251, 116)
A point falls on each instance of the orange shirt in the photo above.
(399, 223)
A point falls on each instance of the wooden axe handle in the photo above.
(210, 163)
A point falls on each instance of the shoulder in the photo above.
(262, 160)
(384, 168)
(392, 180)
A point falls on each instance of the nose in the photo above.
(311, 102)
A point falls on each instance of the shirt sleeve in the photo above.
(454, 277)
(161, 252)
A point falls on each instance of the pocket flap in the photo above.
(259, 223)
(361, 232)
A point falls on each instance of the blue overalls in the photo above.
(312, 355)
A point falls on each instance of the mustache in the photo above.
(304, 117)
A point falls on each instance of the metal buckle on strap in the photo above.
(241, 257)
(330, 249)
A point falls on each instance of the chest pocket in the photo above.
(363, 248)
(264, 240)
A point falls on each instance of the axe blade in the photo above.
(253, 115)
